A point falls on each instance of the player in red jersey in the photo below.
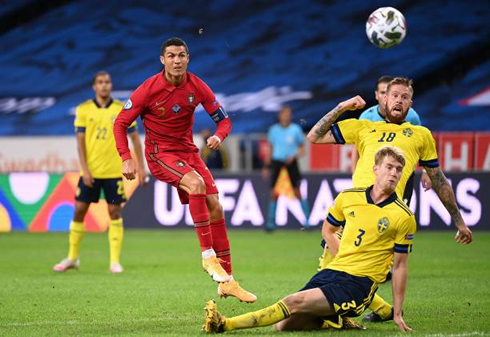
(166, 103)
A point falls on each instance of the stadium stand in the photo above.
(310, 59)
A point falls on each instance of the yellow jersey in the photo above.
(372, 233)
(415, 141)
(103, 160)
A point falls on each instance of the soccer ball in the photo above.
(386, 27)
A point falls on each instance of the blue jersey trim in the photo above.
(132, 129)
(79, 129)
(334, 221)
(429, 163)
(339, 139)
(403, 249)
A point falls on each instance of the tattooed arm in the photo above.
(321, 132)
(445, 192)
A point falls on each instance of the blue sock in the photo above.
(271, 219)
(306, 210)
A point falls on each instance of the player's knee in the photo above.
(79, 214)
(115, 213)
(294, 302)
(197, 186)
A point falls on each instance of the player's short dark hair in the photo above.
(389, 151)
(383, 79)
(401, 80)
(174, 41)
(100, 73)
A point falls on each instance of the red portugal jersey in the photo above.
(167, 113)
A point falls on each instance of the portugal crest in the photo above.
(408, 132)
(383, 224)
(191, 99)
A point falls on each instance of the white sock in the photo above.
(208, 253)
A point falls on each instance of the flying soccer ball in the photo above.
(386, 27)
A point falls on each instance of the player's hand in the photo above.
(464, 235)
(401, 323)
(87, 179)
(142, 177)
(426, 182)
(129, 169)
(213, 142)
(353, 103)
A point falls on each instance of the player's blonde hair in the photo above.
(400, 80)
(390, 151)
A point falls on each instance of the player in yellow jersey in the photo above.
(379, 227)
(415, 141)
(101, 169)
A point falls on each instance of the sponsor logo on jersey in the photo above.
(176, 108)
(128, 105)
(180, 164)
(383, 224)
(352, 214)
(408, 132)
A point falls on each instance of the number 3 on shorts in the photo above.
(120, 189)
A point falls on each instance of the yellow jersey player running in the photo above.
(379, 227)
(101, 170)
(416, 142)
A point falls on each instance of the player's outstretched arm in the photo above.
(399, 284)
(441, 186)
(321, 133)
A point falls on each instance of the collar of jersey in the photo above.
(98, 105)
(388, 201)
(387, 122)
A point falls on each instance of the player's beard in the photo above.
(394, 116)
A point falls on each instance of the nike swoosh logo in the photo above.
(204, 234)
(158, 103)
(372, 131)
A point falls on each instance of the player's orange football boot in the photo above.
(233, 289)
(212, 266)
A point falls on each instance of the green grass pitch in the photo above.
(164, 290)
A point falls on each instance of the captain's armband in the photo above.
(219, 115)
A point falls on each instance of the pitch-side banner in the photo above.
(245, 201)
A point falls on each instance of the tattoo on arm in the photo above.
(440, 184)
(324, 124)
